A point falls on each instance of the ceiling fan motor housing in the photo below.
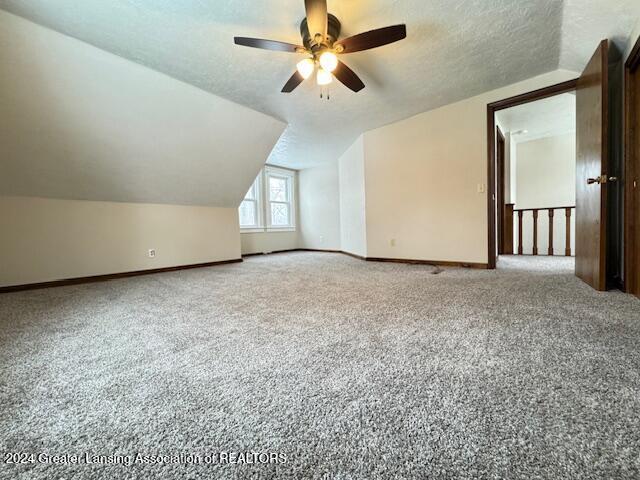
(333, 32)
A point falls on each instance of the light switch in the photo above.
(481, 188)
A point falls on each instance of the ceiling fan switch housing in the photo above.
(333, 32)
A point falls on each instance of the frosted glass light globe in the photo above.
(324, 77)
(329, 61)
(305, 67)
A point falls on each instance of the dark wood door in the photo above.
(591, 169)
(632, 174)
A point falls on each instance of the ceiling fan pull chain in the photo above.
(325, 93)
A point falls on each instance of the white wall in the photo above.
(422, 176)
(546, 172)
(266, 242)
(512, 169)
(79, 123)
(546, 177)
(46, 239)
(353, 226)
(420, 186)
(319, 196)
(88, 126)
(632, 39)
(507, 167)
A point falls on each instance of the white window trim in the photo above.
(290, 177)
(259, 207)
(264, 204)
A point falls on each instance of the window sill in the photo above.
(268, 230)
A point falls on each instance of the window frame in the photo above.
(259, 225)
(289, 177)
(263, 201)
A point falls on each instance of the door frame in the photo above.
(492, 108)
(631, 171)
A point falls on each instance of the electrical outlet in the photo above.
(321, 239)
(152, 253)
(392, 242)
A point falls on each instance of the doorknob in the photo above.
(599, 180)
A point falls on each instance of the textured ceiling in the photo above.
(455, 49)
(544, 118)
(586, 22)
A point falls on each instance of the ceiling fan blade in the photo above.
(316, 18)
(295, 80)
(267, 44)
(348, 77)
(373, 38)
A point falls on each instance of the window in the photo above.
(269, 205)
(249, 208)
(279, 199)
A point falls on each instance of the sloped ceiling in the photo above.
(79, 123)
(585, 22)
(455, 49)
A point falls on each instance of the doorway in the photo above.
(536, 177)
(499, 204)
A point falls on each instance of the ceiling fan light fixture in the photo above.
(324, 77)
(305, 67)
(329, 61)
(320, 34)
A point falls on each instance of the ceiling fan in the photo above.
(320, 31)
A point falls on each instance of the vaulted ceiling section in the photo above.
(455, 49)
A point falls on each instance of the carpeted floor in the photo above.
(350, 369)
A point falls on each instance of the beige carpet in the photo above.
(346, 369)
